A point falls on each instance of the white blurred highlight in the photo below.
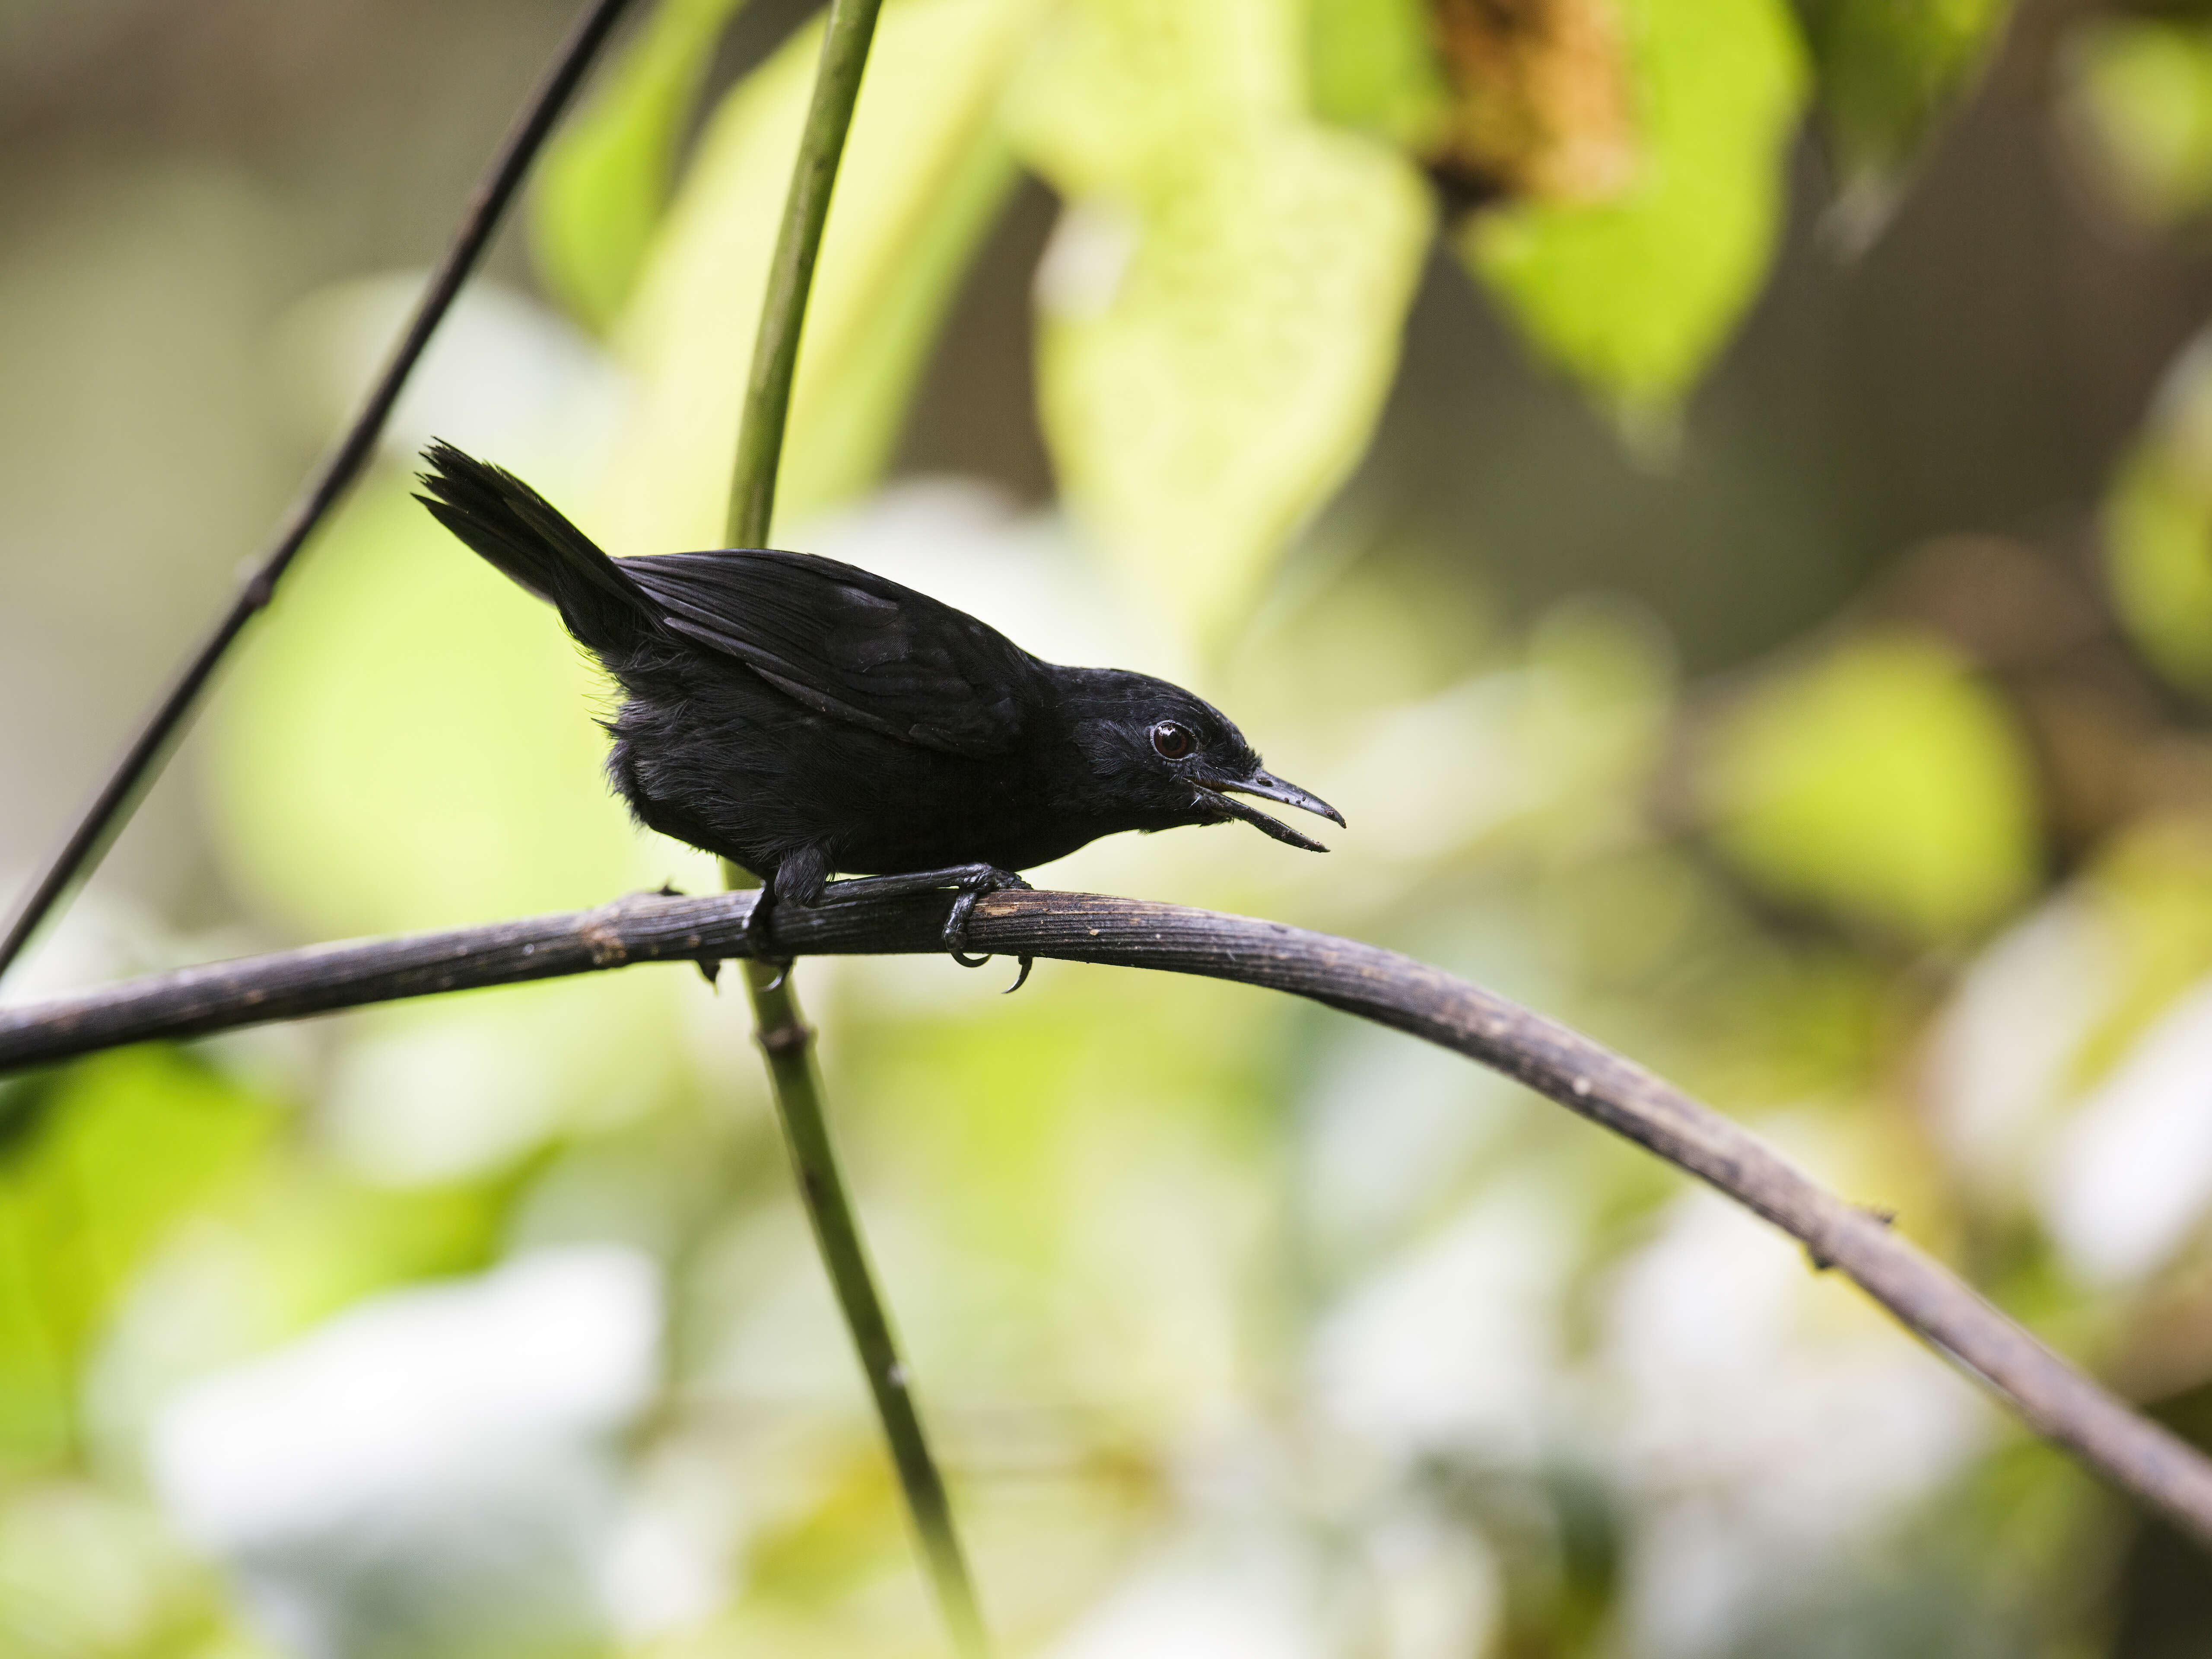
(1247, 1601)
(1997, 1068)
(1083, 265)
(1767, 1421)
(2131, 1177)
(437, 1470)
(1457, 1344)
(505, 377)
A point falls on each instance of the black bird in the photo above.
(800, 716)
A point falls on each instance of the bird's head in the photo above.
(1160, 757)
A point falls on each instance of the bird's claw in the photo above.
(1020, 979)
(964, 907)
(760, 946)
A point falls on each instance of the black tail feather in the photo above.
(526, 537)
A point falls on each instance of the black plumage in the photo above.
(801, 716)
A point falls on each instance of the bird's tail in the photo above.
(523, 535)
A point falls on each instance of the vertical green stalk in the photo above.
(783, 310)
(784, 1039)
(796, 1082)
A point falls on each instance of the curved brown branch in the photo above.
(2057, 1401)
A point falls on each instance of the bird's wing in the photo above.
(849, 644)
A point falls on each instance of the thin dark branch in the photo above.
(142, 758)
(2059, 1402)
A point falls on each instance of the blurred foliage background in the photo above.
(1720, 493)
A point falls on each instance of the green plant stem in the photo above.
(796, 1082)
(845, 40)
(784, 1039)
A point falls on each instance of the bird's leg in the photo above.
(798, 877)
(972, 882)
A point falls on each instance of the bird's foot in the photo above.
(970, 881)
(761, 946)
(972, 889)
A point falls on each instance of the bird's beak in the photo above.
(1268, 787)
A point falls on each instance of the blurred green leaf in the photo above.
(1371, 65)
(2158, 558)
(2140, 93)
(416, 747)
(2158, 528)
(1889, 70)
(313, 1240)
(1220, 308)
(1097, 1196)
(604, 181)
(923, 177)
(93, 1573)
(1633, 295)
(128, 1144)
(1884, 782)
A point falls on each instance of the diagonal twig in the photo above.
(2067, 1408)
(111, 805)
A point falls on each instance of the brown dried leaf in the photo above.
(1541, 105)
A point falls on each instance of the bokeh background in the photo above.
(1720, 495)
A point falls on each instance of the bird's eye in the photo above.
(1173, 742)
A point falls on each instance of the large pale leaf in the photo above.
(605, 180)
(1372, 64)
(1884, 783)
(1633, 295)
(922, 177)
(1220, 311)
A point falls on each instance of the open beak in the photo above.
(1268, 787)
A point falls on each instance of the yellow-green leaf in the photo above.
(2139, 92)
(1634, 295)
(604, 181)
(1885, 783)
(922, 177)
(2158, 528)
(1220, 309)
(2157, 557)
